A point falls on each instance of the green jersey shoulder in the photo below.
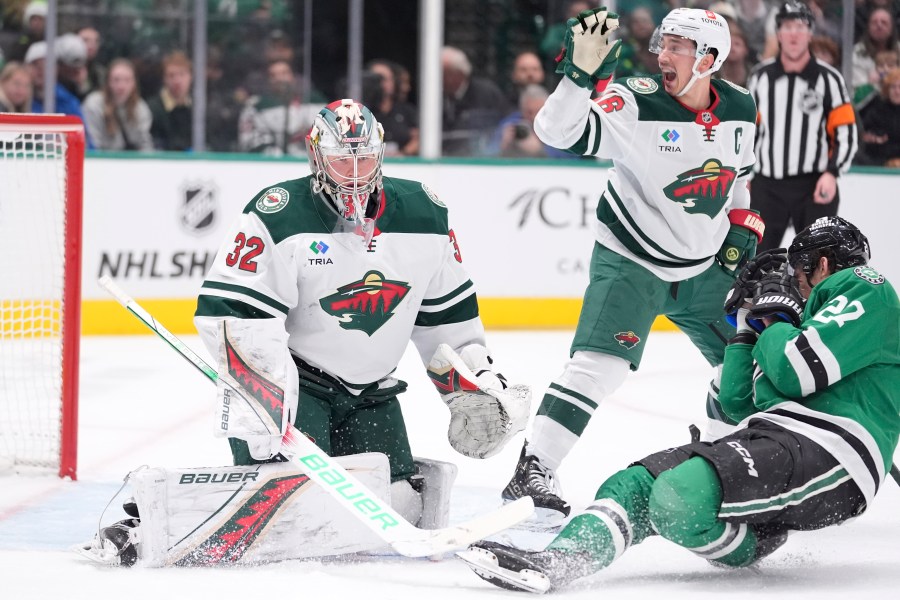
(292, 207)
(655, 104)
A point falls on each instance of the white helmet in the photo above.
(708, 30)
(346, 149)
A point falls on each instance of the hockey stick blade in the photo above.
(346, 489)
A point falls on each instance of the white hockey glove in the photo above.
(589, 54)
(258, 386)
(485, 412)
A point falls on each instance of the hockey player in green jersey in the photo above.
(672, 225)
(818, 392)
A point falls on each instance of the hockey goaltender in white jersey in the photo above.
(308, 308)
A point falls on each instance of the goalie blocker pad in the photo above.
(268, 512)
(258, 385)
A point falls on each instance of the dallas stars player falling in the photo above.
(672, 226)
(818, 392)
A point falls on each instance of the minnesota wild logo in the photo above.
(703, 190)
(367, 304)
(628, 339)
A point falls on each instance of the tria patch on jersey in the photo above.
(642, 85)
(703, 190)
(366, 304)
(273, 200)
(670, 140)
(628, 339)
(869, 274)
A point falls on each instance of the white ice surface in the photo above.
(142, 404)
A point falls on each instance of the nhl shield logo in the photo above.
(366, 304)
(198, 207)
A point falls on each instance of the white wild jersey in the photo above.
(676, 172)
(348, 309)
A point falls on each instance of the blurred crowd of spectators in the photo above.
(139, 97)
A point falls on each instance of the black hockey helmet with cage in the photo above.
(835, 238)
(793, 9)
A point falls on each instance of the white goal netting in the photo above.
(33, 238)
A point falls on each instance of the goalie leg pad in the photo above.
(437, 478)
(249, 515)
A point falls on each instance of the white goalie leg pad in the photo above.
(250, 515)
(437, 486)
(258, 385)
(406, 501)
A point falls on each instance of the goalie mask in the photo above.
(709, 32)
(840, 241)
(346, 151)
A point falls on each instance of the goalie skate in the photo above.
(114, 545)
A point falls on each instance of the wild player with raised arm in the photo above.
(817, 390)
(672, 226)
(309, 306)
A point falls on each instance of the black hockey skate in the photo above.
(115, 545)
(525, 571)
(534, 479)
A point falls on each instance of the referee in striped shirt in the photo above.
(806, 131)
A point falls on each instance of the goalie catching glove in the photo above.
(485, 412)
(588, 54)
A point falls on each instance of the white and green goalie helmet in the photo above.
(346, 151)
(708, 30)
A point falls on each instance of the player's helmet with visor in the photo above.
(346, 149)
(708, 30)
(835, 238)
(793, 9)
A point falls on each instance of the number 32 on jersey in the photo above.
(245, 252)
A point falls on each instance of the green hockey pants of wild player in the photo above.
(342, 424)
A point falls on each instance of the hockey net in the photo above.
(41, 164)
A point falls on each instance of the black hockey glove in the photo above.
(744, 288)
(777, 297)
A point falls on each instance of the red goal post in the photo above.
(41, 181)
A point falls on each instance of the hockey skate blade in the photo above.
(450, 539)
(485, 564)
(100, 556)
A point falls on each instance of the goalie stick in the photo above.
(343, 487)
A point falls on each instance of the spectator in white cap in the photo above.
(71, 55)
(34, 19)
